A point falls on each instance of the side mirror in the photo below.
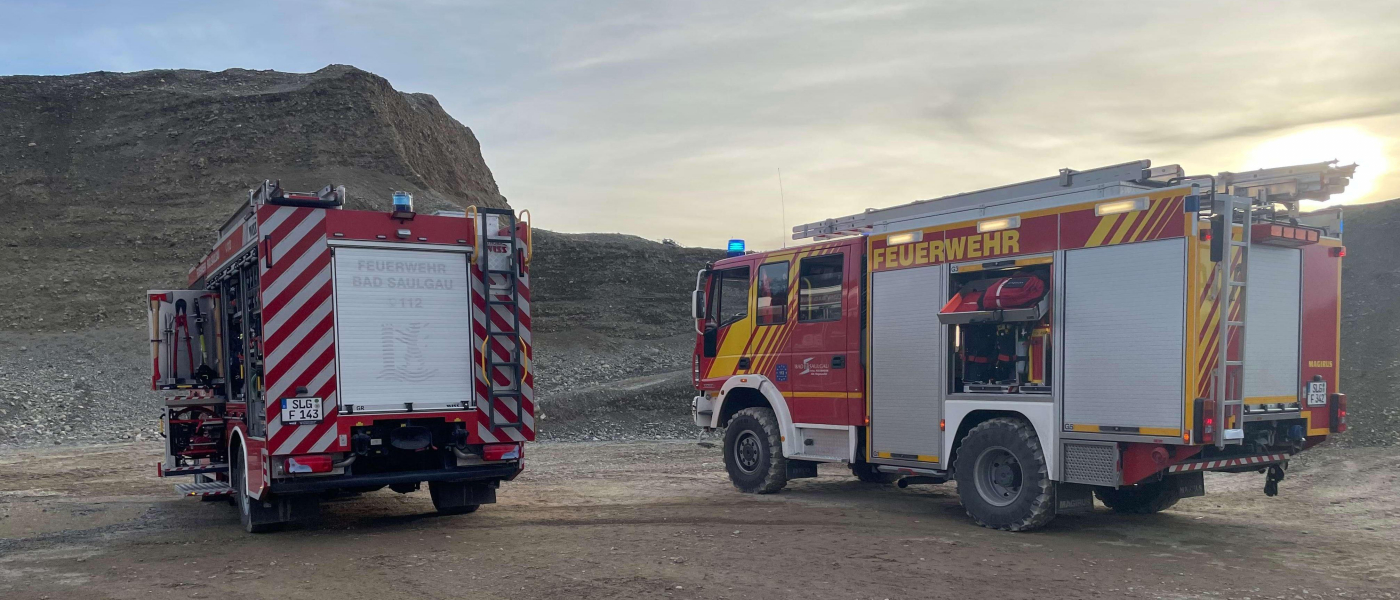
(697, 304)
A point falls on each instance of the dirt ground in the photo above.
(659, 520)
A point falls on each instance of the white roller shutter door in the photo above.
(1272, 322)
(403, 329)
(1124, 324)
(906, 361)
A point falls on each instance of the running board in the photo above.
(912, 471)
(193, 470)
(205, 489)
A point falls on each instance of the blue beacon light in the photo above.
(736, 247)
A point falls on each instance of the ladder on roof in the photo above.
(1137, 171)
(500, 263)
(1233, 273)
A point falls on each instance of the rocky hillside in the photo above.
(111, 183)
(1371, 324)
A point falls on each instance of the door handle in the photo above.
(744, 362)
(838, 362)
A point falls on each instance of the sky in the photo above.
(675, 119)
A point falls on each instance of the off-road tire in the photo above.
(753, 452)
(245, 504)
(868, 473)
(1025, 499)
(1141, 499)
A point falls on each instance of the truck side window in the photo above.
(819, 289)
(732, 301)
(773, 293)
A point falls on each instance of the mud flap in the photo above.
(462, 493)
(799, 469)
(1190, 485)
(304, 509)
(1073, 499)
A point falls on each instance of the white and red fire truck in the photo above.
(1040, 343)
(320, 350)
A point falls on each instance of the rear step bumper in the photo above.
(1245, 462)
(321, 484)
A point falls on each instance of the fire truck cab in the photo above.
(1041, 343)
(319, 351)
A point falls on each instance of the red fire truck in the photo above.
(1040, 343)
(319, 350)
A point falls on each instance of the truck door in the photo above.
(819, 354)
(772, 316)
(727, 328)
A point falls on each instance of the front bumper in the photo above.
(475, 473)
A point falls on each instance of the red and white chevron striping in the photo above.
(505, 409)
(1261, 460)
(298, 337)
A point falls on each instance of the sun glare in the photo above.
(1346, 144)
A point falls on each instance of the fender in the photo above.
(1040, 414)
(775, 399)
(247, 476)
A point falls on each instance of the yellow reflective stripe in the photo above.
(1270, 399)
(1153, 211)
(1128, 219)
(1154, 431)
(1100, 232)
(918, 457)
(852, 395)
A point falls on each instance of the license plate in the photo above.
(301, 410)
(1317, 393)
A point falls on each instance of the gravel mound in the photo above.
(113, 184)
(1371, 325)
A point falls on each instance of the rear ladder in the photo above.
(1233, 273)
(500, 262)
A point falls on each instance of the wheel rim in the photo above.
(747, 452)
(998, 476)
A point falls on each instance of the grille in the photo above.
(1092, 463)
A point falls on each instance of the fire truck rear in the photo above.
(1111, 333)
(319, 351)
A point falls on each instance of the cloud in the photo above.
(671, 119)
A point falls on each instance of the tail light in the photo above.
(1338, 406)
(1204, 426)
(500, 452)
(313, 463)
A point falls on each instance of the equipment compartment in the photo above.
(184, 340)
(1000, 350)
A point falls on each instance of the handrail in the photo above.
(529, 236)
(484, 373)
(698, 276)
(474, 215)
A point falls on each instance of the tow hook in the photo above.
(1274, 475)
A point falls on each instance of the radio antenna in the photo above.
(782, 199)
